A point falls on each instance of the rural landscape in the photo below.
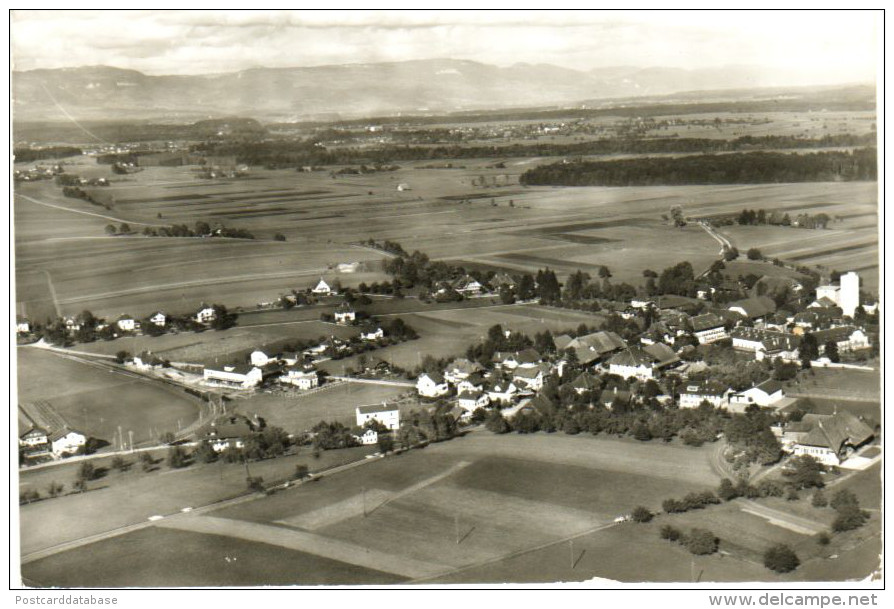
(423, 323)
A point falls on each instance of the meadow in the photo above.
(474, 214)
(97, 402)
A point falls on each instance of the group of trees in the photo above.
(202, 229)
(751, 217)
(748, 168)
(29, 155)
(697, 541)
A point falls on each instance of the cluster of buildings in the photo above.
(43, 433)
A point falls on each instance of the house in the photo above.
(431, 385)
(468, 286)
(693, 394)
(472, 384)
(501, 391)
(830, 439)
(301, 378)
(243, 376)
(65, 441)
(501, 280)
(529, 378)
(33, 440)
(610, 397)
(662, 355)
(468, 400)
(845, 295)
(584, 382)
(765, 394)
(347, 267)
(322, 289)
(632, 363)
(158, 319)
(708, 328)
(766, 343)
(148, 361)
(590, 347)
(387, 416)
(403, 187)
(206, 314)
(345, 314)
(23, 326)
(229, 432)
(126, 323)
(460, 369)
(259, 358)
(847, 338)
(372, 333)
(368, 437)
(754, 308)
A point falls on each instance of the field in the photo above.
(324, 219)
(470, 501)
(97, 402)
(298, 412)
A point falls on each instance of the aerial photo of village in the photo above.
(408, 312)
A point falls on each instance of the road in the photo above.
(351, 379)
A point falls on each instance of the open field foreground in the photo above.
(324, 219)
(469, 501)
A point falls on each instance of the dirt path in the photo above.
(84, 213)
(794, 523)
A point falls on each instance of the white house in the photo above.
(372, 333)
(259, 358)
(65, 441)
(303, 379)
(126, 323)
(459, 369)
(322, 288)
(472, 400)
(387, 416)
(344, 314)
(205, 314)
(33, 437)
(23, 326)
(431, 385)
(632, 363)
(708, 328)
(529, 378)
(471, 384)
(368, 437)
(159, 319)
(693, 394)
(763, 395)
(501, 391)
(766, 343)
(846, 338)
(148, 361)
(402, 187)
(830, 439)
(468, 285)
(243, 376)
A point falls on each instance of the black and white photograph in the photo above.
(414, 299)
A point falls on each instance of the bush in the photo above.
(701, 541)
(819, 499)
(781, 559)
(843, 499)
(641, 514)
(754, 254)
(823, 539)
(670, 533)
(849, 517)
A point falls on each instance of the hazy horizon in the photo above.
(804, 47)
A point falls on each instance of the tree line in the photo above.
(740, 168)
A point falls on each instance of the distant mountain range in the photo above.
(353, 90)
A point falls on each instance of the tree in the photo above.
(111, 230)
(86, 471)
(677, 214)
(119, 463)
(121, 356)
(255, 483)
(203, 228)
(386, 443)
(819, 499)
(730, 254)
(831, 351)
(177, 458)
(844, 498)
(496, 423)
(147, 461)
(124, 228)
(809, 349)
(701, 541)
(670, 533)
(805, 472)
(301, 471)
(754, 254)
(604, 272)
(727, 490)
(55, 489)
(279, 237)
(641, 514)
(849, 517)
(781, 558)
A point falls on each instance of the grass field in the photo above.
(97, 402)
(324, 218)
(470, 501)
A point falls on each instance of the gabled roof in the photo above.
(542, 403)
(501, 279)
(769, 386)
(757, 306)
(562, 341)
(231, 427)
(706, 388)
(609, 395)
(322, 285)
(584, 381)
(376, 409)
(527, 373)
(470, 395)
(632, 356)
(833, 431)
(464, 366)
(61, 433)
(707, 321)
(528, 356)
(839, 334)
(661, 353)
(437, 377)
(344, 308)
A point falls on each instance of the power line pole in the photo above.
(571, 547)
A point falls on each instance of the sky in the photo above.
(826, 46)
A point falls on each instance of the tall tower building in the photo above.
(849, 296)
